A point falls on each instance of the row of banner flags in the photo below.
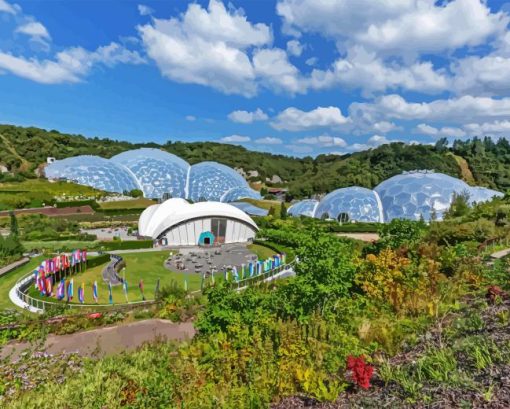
(45, 276)
(248, 270)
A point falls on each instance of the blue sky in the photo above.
(298, 77)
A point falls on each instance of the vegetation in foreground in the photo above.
(421, 308)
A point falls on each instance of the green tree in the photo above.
(283, 211)
(14, 224)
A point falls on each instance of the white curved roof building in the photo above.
(176, 222)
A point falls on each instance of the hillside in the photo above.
(479, 161)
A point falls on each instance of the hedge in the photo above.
(118, 212)
(124, 245)
(76, 203)
(97, 261)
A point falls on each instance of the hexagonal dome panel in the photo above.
(211, 180)
(418, 194)
(237, 193)
(92, 171)
(303, 208)
(482, 194)
(351, 204)
(157, 172)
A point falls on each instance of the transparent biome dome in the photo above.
(211, 180)
(92, 171)
(250, 209)
(418, 194)
(303, 208)
(237, 193)
(157, 172)
(351, 204)
(482, 194)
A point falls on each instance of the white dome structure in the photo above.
(176, 222)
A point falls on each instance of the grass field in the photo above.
(128, 204)
(147, 266)
(52, 188)
(264, 204)
(7, 281)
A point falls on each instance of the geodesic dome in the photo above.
(93, 171)
(237, 193)
(303, 208)
(211, 180)
(482, 194)
(418, 194)
(351, 204)
(157, 172)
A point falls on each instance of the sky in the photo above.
(296, 77)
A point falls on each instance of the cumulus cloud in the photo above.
(6, 7)
(35, 30)
(445, 131)
(372, 142)
(245, 117)
(235, 139)
(363, 69)
(294, 48)
(145, 10)
(275, 70)
(323, 141)
(207, 47)
(496, 128)
(457, 110)
(396, 26)
(70, 65)
(269, 140)
(293, 119)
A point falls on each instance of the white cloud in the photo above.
(385, 126)
(293, 119)
(363, 69)
(445, 131)
(275, 70)
(396, 27)
(496, 128)
(372, 142)
(70, 65)
(235, 139)
(190, 118)
(207, 47)
(311, 61)
(245, 117)
(9, 8)
(269, 140)
(458, 110)
(145, 10)
(35, 30)
(323, 141)
(294, 48)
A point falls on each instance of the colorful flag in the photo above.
(49, 285)
(235, 273)
(36, 278)
(81, 293)
(140, 286)
(84, 256)
(61, 290)
(70, 290)
(94, 291)
(125, 288)
(110, 295)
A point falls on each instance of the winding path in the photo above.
(106, 340)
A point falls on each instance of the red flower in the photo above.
(360, 370)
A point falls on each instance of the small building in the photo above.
(177, 222)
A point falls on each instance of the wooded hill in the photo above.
(478, 161)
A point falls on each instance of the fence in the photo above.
(37, 305)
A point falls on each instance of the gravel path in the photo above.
(108, 340)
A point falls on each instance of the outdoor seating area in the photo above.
(210, 261)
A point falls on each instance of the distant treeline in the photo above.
(478, 161)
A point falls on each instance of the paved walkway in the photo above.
(107, 341)
(8, 268)
(501, 254)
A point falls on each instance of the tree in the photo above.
(272, 211)
(459, 206)
(135, 193)
(283, 211)
(14, 224)
(401, 232)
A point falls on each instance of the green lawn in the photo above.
(7, 281)
(262, 252)
(147, 266)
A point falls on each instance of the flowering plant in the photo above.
(361, 372)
